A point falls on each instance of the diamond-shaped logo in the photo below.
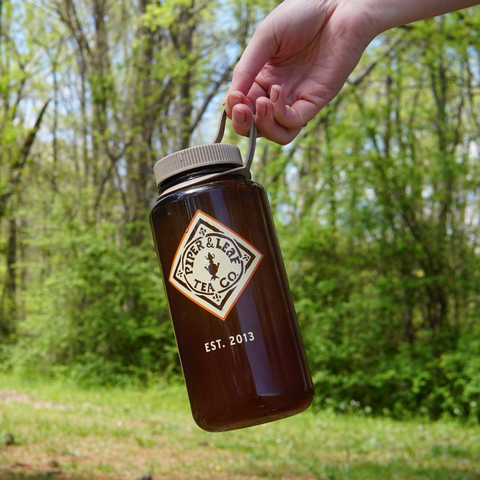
(213, 265)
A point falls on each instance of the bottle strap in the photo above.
(244, 170)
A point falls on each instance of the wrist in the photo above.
(360, 19)
(387, 14)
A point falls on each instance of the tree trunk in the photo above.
(8, 304)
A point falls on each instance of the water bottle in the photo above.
(238, 338)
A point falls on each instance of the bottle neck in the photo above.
(194, 174)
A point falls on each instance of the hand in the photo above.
(297, 61)
(303, 52)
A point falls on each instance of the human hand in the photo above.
(297, 61)
(303, 52)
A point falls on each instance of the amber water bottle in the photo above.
(238, 338)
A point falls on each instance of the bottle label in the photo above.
(213, 265)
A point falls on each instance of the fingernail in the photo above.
(239, 117)
(274, 94)
(234, 100)
(261, 109)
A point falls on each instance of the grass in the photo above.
(63, 432)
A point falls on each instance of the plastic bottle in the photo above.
(238, 338)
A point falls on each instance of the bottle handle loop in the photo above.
(244, 170)
(251, 145)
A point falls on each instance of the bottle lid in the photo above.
(215, 153)
(194, 157)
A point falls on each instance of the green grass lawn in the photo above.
(63, 432)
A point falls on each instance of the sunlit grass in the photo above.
(65, 432)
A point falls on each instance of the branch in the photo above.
(15, 174)
(27, 144)
(209, 98)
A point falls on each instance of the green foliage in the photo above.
(376, 201)
(100, 317)
(165, 14)
(384, 266)
(128, 82)
(377, 223)
(354, 333)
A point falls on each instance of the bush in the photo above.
(100, 317)
(352, 318)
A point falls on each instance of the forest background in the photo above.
(377, 202)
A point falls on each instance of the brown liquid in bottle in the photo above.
(249, 368)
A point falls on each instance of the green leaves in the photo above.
(380, 241)
(376, 202)
(102, 312)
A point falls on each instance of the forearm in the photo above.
(386, 14)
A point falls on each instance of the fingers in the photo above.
(233, 98)
(271, 126)
(237, 107)
(275, 120)
(242, 117)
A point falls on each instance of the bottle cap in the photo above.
(215, 153)
(194, 157)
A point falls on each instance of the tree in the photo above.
(383, 195)
(16, 70)
(130, 83)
